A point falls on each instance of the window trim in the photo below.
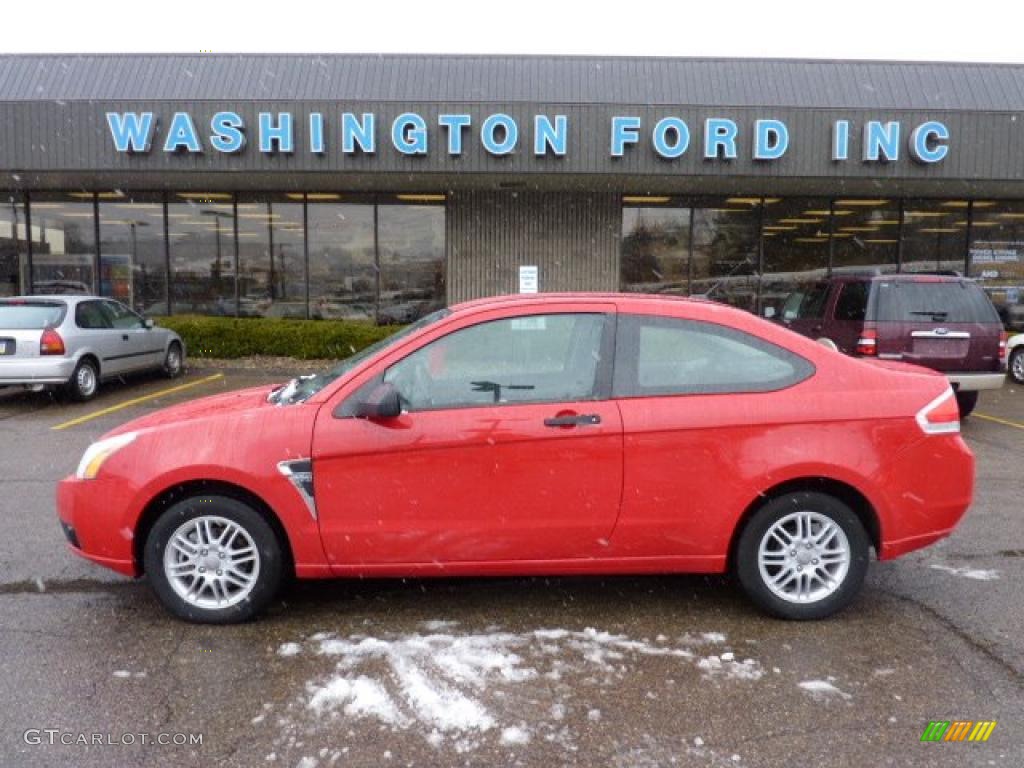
(625, 377)
(602, 376)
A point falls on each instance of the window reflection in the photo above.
(997, 257)
(202, 245)
(272, 274)
(725, 250)
(655, 249)
(342, 263)
(796, 232)
(410, 239)
(934, 235)
(132, 265)
(866, 235)
(63, 242)
(13, 246)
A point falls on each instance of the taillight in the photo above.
(941, 416)
(50, 343)
(1004, 339)
(867, 344)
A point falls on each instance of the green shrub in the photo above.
(230, 337)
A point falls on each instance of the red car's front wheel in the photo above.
(213, 559)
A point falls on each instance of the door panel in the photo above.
(471, 484)
(507, 448)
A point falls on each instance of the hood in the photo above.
(253, 398)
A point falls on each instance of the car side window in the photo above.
(812, 305)
(669, 356)
(120, 316)
(533, 359)
(90, 316)
(853, 302)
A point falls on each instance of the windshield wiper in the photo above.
(929, 314)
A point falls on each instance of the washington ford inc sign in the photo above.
(717, 138)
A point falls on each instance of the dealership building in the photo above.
(382, 187)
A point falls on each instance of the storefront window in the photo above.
(655, 249)
(63, 242)
(342, 259)
(796, 232)
(866, 235)
(725, 250)
(934, 235)
(132, 259)
(202, 243)
(271, 261)
(410, 239)
(13, 246)
(997, 257)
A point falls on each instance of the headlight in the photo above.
(97, 453)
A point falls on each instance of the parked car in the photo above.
(75, 342)
(943, 322)
(1015, 357)
(544, 434)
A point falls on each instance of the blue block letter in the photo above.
(181, 135)
(546, 135)
(454, 125)
(131, 131)
(719, 133)
(359, 132)
(409, 134)
(489, 132)
(681, 135)
(280, 134)
(771, 139)
(925, 142)
(227, 132)
(625, 130)
(881, 141)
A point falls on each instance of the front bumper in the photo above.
(42, 370)
(84, 508)
(975, 382)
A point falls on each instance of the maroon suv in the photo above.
(942, 322)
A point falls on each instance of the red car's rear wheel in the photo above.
(802, 556)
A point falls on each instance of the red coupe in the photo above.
(552, 434)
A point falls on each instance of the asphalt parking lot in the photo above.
(602, 671)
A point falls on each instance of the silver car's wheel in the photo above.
(804, 557)
(84, 381)
(1017, 365)
(173, 362)
(211, 562)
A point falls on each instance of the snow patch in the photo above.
(514, 736)
(977, 574)
(822, 689)
(122, 673)
(289, 649)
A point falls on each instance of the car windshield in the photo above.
(20, 315)
(303, 387)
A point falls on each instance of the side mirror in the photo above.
(382, 402)
(148, 323)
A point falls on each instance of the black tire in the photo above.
(966, 401)
(174, 361)
(749, 572)
(84, 382)
(1015, 364)
(268, 569)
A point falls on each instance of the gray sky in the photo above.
(973, 30)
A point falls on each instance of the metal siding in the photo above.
(573, 239)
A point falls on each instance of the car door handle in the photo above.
(124, 337)
(573, 420)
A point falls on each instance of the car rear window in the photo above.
(31, 315)
(911, 301)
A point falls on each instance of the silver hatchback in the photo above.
(75, 342)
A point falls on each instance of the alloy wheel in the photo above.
(211, 562)
(804, 557)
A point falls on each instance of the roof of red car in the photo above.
(515, 298)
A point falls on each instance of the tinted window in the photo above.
(853, 302)
(90, 315)
(806, 304)
(23, 316)
(541, 358)
(119, 316)
(932, 301)
(666, 356)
